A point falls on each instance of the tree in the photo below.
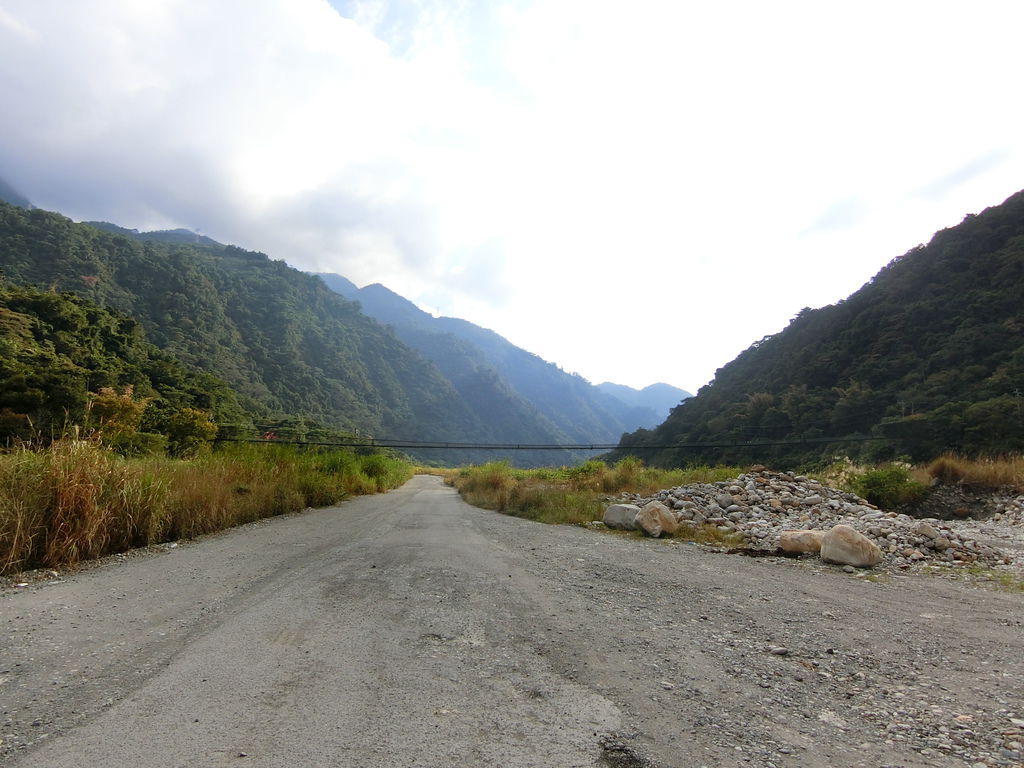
(189, 431)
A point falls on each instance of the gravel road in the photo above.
(410, 629)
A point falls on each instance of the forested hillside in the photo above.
(281, 338)
(929, 353)
(515, 388)
(66, 362)
(295, 350)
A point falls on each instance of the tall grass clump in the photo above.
(488, 485)
(74, 501)
(1003, 471)
(77, 500)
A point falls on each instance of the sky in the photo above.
(634, 191)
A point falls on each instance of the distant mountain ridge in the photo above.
(929, 355)
(292, 347)
(659, 397)
(159, 235)
(576, 409)
(279, 337)
(10, 195)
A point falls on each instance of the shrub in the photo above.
(384, 471)
(889, 486)
(189, 431)
(627, 473)
(489, 485)
(138, 444)
(589, 474)
(14, 427)
(115, 413)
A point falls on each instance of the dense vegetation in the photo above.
(930, 354)
(76, 500)
(66, 362)
(285, 342)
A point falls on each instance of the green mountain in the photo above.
(929, 354)
(281, 338)
(518, 391)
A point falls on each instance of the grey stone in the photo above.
(621, 516)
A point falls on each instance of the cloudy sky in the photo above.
(636, 191)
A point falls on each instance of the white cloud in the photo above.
(636, 192)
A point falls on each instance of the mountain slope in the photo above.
(279, 336)
(929, 353)
(160, 235)
(9, 194)
(562, 405)
(660, 398)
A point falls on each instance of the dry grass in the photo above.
(950, 469)
(1005, 471)
(75, 500)
(568, 494)
(710, 535)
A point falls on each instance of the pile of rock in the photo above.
(1011, 511)
(761, 505)
(960, 502)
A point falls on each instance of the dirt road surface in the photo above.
(410, 629)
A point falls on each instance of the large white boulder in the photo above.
(845, 546)
(799, 542)
(621, 516)
(654, 519)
